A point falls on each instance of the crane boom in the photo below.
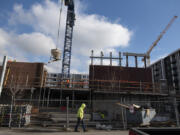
(68, 38)
(157, 40)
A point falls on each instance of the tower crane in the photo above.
(157, 40)
(68, 38)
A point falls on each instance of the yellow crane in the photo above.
(157, 40)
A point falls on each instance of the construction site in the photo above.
(117, 97)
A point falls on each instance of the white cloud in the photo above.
(3, 38)
(54, 67)
(91, 31)
(19, 46)
(34, 43)
(42, 17)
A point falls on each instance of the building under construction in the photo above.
(121, 96)
(167, 70)
(101, 89)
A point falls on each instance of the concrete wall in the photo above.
(108, 103)
(168, 68)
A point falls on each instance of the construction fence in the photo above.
(99, 114)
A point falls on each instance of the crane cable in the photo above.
(59, 25)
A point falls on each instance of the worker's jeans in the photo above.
(77, 124)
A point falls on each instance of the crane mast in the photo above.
(157, 40)
(68, 38)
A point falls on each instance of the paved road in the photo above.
(6, 131)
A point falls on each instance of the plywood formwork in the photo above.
(120, 73)
(120, 78)
(23, 74)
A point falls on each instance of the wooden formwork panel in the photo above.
(111, 77)
(23, 74)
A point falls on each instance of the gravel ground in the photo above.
(35, 131)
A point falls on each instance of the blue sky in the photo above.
(29, 28)
(146, 18)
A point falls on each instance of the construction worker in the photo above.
(67, 82)
(80, 116)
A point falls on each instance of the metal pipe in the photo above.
(11, 110)
(20, 119)
(67, 112)
(39, 97)
(44, 94)
(49, 91)
(3, 73)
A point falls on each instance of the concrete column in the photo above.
(163, 69)
(152, 71)
(127, 61)
(145, 62)
(101, 58)
(120, 58)
(178, 66)
(110, 58)
(3, 73)
(176, 111)
(172, 72)
(92, 52)
(136, 63)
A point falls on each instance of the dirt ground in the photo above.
(32, 131)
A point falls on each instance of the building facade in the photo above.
(168, 70)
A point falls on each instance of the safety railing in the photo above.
(84, 84)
